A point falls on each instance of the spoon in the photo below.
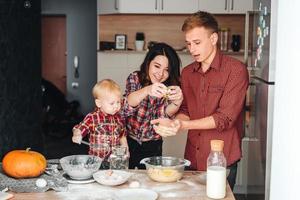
(97, 146)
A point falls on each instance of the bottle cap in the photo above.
(216, 145)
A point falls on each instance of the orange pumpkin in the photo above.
(24, 163)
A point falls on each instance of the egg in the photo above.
(41, 183)
(134, 184)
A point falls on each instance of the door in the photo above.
(81, 43)
(54, 50)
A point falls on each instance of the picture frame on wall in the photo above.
(120, 41)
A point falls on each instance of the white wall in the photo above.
(285, 165)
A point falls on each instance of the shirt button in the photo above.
(197, 148)
(198, 134)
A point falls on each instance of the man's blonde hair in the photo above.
(105, 86)
(200, 19)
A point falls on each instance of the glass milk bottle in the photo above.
(216, 171)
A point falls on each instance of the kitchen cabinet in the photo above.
(117, 65)
(147, 6)
(226, 6)
(178, 6)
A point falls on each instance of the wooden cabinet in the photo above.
(226, 6)
(147, 6)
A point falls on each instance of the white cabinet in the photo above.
(226, 6)
(147, 6)
(178, 6)
(112, 66)
(117, 65)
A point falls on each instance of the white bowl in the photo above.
(80, 167)
(117, 177)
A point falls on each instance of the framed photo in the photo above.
(121, 41)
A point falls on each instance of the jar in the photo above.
(224, 39)
(118, 158)
(236, 42)
(216, 171)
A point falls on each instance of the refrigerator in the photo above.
(262, 83)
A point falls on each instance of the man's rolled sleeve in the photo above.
(233, 100)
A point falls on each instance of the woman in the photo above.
(154, 92)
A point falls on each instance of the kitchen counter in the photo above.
(191, 187)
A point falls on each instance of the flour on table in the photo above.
(87, 192)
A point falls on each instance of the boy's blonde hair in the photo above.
(105, 86)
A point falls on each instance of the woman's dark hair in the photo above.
(161, 49)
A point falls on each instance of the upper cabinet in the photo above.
(226, 6)
(147, 6)
(178, 6)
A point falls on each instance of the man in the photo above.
(214, 89)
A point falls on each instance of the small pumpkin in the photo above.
(24, 163)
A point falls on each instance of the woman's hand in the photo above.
(175, 95)
(166, 127)
(157, 90)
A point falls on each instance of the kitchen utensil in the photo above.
(80, 167)
(104, 147)
(117, 177)
(224, 39)
(165, 169)
(84, 181)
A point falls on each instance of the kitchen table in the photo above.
(190, 187)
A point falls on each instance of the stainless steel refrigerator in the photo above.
(262, 83)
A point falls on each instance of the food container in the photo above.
(165, 169)
(80, 167)
(111, 177)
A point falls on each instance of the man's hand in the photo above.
(166, 127)
(77, 137)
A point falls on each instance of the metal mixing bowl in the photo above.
(80, 167)
(165, 169)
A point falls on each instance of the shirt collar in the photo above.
(215, 64)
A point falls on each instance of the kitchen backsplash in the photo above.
(166, 28)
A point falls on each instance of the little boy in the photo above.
(104, 125)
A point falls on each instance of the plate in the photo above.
(117, 177)
(136, 194)
(70, 180)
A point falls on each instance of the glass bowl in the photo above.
(165, 169)
(80, 167)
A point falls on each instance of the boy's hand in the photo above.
(77, 137)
